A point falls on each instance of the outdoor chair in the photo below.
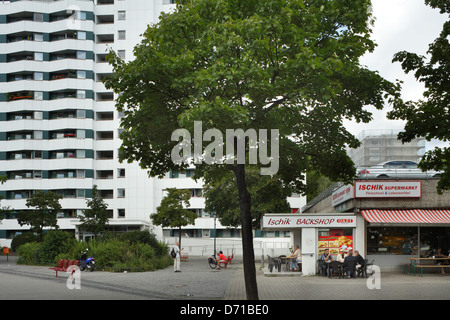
(274, 262)
(335, 268)
(350, 269)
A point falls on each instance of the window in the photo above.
(82, 15)
(81, 94)
(38, 95)
(81, 74)
(38, 115)
(37, 134)
(81, 153)
(392, 240)
(121, 173)
(81, 134)
(38, 37)
(81, 114)
(81, 55)
(38, 17)
(37, 174)
(38, 56)
(121, 53)
(121, 213)
(122, 34)
(80, 173)
(38, 76)
(121, 193)
(81, 35)
(121, 15)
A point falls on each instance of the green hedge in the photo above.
(132, 252)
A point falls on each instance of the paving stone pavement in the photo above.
(198, 282)
(393, 286)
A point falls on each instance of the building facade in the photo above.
(394, 219)
(59, 129)
(382, 145)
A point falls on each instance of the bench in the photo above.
(63, 264)
(184, 257)
(421, 266)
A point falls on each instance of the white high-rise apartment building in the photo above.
(59, 129)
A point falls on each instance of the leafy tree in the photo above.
(171, 212)
(95, 219)
(315, 184)
(288, 65)
(47, 206)
(429, 118)
(221, 196)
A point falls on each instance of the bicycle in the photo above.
(212, 262)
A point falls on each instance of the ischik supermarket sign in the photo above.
(388, 189)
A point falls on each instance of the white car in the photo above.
(396, 169)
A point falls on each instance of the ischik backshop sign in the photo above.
(304, 221)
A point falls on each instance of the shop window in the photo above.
(392, 240)
(433, 238)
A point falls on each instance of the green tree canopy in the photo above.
(95, 219)
(221, 196)
(289, 65)
(429, 118)
(172, 211)
(46, 207)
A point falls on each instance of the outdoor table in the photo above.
(415, 260)
(288, 262)
(340, 270)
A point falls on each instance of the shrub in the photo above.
(22, 239)
(29, 253)
(138, 251)
(55, 242)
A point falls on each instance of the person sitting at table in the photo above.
(349, 264)
(439, 254)
(326, 259)
(296, 257)
(343, 253)
(359, 262)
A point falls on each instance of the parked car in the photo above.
(396, 169)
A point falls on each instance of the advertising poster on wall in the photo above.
(333, 243)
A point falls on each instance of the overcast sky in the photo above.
(400, 25)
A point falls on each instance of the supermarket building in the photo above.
(388, 221)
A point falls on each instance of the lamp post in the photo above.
(215, 232)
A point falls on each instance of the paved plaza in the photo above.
(198, 282)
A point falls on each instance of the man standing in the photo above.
(177, 263)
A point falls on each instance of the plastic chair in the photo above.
(335, 267)
(350, 269)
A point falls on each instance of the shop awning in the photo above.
(407, 216)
